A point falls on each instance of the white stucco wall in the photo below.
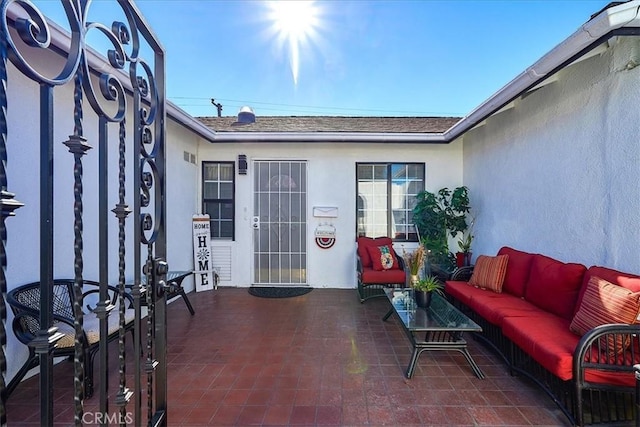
(182, 198)
(331, 182)
(558, 173)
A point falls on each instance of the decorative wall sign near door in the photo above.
(325, 236)
(203, 269)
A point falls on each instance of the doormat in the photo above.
(278, 292)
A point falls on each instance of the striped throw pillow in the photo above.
(489, 272)
(603, 303)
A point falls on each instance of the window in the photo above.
(218, 198)
(386, 197)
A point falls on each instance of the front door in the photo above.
(280, 223)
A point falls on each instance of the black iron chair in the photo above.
(25, 304)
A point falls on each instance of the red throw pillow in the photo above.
(383, 258)
(489, 272)
(604, 303)
(365, 242)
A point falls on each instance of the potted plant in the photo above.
(438, 216)
(424, 289)
(463, 258)
(414, 262)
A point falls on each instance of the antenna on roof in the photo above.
(218, 106)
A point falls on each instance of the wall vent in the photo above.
(221, 259)
(189, 157)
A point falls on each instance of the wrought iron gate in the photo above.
(125, 100)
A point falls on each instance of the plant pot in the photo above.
(413, 280)
(463, 259)
(423, 299)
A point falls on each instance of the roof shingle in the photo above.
(332, 124)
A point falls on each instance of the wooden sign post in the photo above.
(202, 262)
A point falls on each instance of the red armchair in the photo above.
(378, 266)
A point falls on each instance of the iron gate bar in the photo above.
(8, 204)
(121, 212)
(78, 146)
(103, 307)
(47, 336)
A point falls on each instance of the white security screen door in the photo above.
(280, 222)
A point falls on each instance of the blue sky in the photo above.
(364, 58)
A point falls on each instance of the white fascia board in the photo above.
(331, 137)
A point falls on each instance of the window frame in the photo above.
(231, 201)
(389, 178)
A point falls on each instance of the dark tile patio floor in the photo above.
(319, 359)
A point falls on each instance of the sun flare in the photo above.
(295, 23)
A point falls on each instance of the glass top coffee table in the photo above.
(438, 327)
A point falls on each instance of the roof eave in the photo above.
(587, 38)
(332, 137)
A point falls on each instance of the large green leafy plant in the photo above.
(438, 216)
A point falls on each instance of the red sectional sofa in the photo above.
(543, 319)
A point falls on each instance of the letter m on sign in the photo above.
(202, 253)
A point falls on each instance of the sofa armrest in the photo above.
(462, 274)
(359, 267)
(26, 326)
(611, 347)
(401, 262)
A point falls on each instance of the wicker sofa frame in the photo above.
(581, 401)
(25, 305)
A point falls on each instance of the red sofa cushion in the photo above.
(384, 277)
(363, 242)
(626, 280)
(460, 290)
(518, 269)
(554, 286)
(383, 257)
(546, 338)
(494, 308)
